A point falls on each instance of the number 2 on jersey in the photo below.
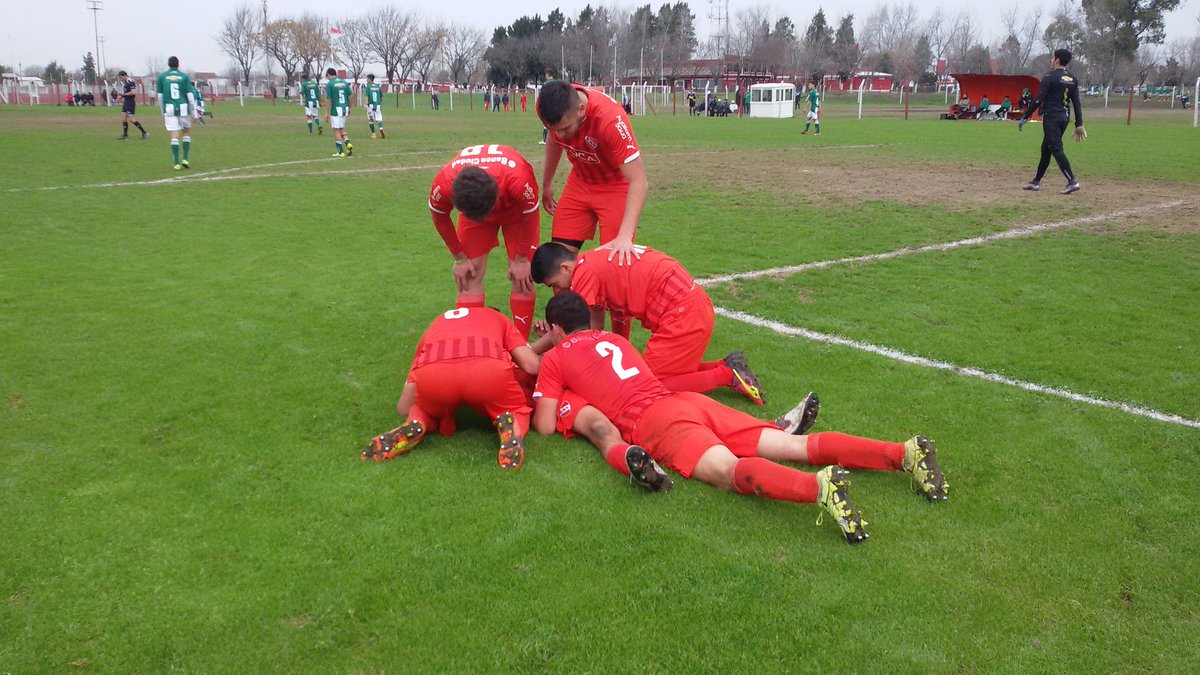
(607, 348)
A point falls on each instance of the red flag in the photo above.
(334, 30)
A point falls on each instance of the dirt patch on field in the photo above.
(834, 175)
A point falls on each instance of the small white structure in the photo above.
(772, 100)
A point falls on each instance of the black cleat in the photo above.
(801, 418)
(645, 472)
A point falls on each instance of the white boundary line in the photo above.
(904, 357)
(209, 177)
(1027, 231)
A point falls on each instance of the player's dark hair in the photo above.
(122, 73)
(371, 77)
(568, 311)
(546, 260)
(173, 62)
(1063, 56)
(330, 72)
(553, 101)
(474, 193)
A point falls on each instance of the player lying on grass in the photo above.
(467, 357)
(494, 189)
(660, 293)
(705, 440)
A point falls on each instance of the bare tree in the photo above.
(426, 50)
(310, 40)
(939, 31)
(461, 51)
(387, 32)
(964, 36)
(278, 42)
(354, 49)
(239, 39)
(1065, 29)
(155, 64)
(1022, 33)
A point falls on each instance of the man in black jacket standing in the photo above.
(1059, 87)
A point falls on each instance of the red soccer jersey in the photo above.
(466, 332)
(646, 290)
(605, 370)
(604, 142)
(517, 200)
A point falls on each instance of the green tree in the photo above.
(55, 73)
(89, 68)
(846, 52)
(1114, 29)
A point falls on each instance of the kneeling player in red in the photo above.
(494, 189)
(705, 440)
(660, 293)
(465, 357)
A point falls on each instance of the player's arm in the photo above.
(1037, 102)
(634, 172)
(597, 314)
(527, 359)
(545, 411)
(445, 227)
(554, 153)
(1078, 107)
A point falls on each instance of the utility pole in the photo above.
(95, 6)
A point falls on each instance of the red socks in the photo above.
(620, 324)
(712, 375)
(852, 452)
(762, 477)
(470, 301)
(616, 458)
(521, 307)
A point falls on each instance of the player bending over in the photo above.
(660, 293)
(705, 440)
(494, 188)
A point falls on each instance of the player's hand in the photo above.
(464, 272)
(1080, 134)
(519, 275)
(549, 203)
(540, 327)
(1021, 124)
(623, 250)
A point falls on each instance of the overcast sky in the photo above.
(36, 32)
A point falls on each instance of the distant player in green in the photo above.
(178, 104)
(310, 91)
(374, 95)
(196, 94)
(814, 110)
(338, 95)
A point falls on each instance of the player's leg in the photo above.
(477, 240)
(139, 126)
(171, 122)
(574, 220)
(1060, 156)
(186, 139)
(675, 351)
(916, 457)
(124, 126)
(632, 461)
(522, 302)
(379, 120)
(371, 120)
(405, 437)
(494, 391)
(1047, 151)
(337, 122)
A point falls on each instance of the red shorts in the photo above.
(478, 239)
(582, 204)
(487, 385)
(679, 429)
(568, 409)
(677, 346)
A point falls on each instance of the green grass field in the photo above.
(191, 363)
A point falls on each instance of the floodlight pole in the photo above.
(95, 6)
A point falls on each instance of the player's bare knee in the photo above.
(716, 468)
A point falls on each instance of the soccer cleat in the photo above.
(834, 497)
(817, 134)
(185, 164)
(803, 133)
(1071, 187)
(512, 446)
(1032, 186)
(801, 418)
(381, 134)
(920, 461)
(320, 130)
(645, 472)
(339, 154)
(394, 443)
(122, 138)
(349, 149)
(745, 382)
(145, 135)
(178, 167)
(372, 136)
